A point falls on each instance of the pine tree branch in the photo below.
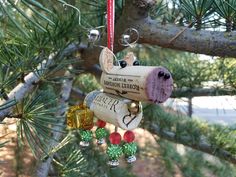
(214, 43)
(22, 89)
(44, 167)
(214, 139)
(197, 92)
(135, 15)
(186, 140)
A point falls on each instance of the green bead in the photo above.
(129, 149)
(100, 133)
(86, 135)
(114, 152)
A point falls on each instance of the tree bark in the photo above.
(135, 15)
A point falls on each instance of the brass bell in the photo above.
(134, 107)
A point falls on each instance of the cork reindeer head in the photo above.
(140, 83)
(107, 62)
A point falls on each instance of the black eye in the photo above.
(123, 63)
(167, 76)
(161, 74)
(136, 63)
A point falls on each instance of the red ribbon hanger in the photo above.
(110, 23)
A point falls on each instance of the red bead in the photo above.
(115, 138)
(129, 136)
(101, 123)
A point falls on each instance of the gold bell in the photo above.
(79, 116)
(134, 107)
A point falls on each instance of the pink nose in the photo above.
(159, 85)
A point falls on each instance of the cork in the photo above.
(141, 83)
(114, 109)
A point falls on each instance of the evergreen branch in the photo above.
(214, 43)
(18, 26)
(44, 167)
(38, 5)
(22, 89)
(197, 92)
(38, 13)
(27, 17)
(216, 140)
(186, 140)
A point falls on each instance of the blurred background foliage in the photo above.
(31, 30)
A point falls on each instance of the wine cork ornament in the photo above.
(116, 110)
(140, 83)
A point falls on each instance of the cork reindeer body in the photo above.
(113, 109)
(140, 83)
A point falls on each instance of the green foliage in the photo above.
(190, 131)
(200, 10)
(158, 10)
(227, 10)
(87, 83)
(71, 162)
(44, 28)
(226, 71)
(193, 163)
(7, 105)
(197, 13)
(190, 77)
(94, 12)
(36, 115)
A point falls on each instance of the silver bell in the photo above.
(93, 35)
(125, 39)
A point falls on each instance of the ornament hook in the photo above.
(129, 38)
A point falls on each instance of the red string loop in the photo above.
(110, 23)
